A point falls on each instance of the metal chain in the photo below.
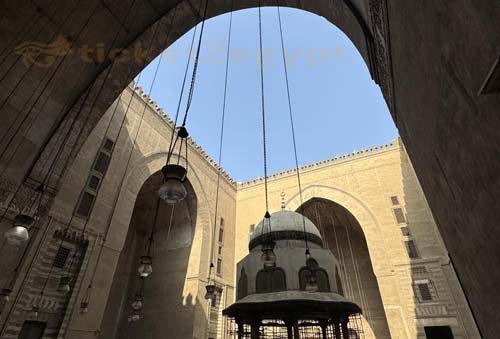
(261, 58)
(181, 95)
(195, 67)
(292, 126)
(223, 118)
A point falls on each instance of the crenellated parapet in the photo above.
(338, 159)
(171, 123)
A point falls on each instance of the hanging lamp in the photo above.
(210, 287)
(312, 268)
(66, 279)
(84, 304)
(5, 294)
(173, 190)
(311, 280)
(146, 267)
(35, 305)
(9, 287)
(137, 303)
(64, 285)
(134, 316)
(268, 256)
(18, 234)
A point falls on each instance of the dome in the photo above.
(286, 221)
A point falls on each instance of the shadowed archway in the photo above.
(343, 235)
(166, 307)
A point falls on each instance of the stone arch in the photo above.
(137, 175)
(421, 86)
(367, 220)
(242, 287)
(353, 17)
(354, 236)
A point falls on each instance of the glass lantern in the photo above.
(134, 316)
(19, 232)
(311, 283)
(146, 267)
(64, 285)
(210, 295)
(268, 256)
(84, 307)
(5, 294)
(137, 304)
(35, 309)
(173, 190)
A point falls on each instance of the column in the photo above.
(336, 327)
(289, 329)
(296, 332)
(324, 326)
(255, 333)
(240, 330)
(345, 330)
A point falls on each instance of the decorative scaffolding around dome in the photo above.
(299, 295)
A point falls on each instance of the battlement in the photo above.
(166, 118)
(338, 159)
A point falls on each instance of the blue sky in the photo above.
(337, 107)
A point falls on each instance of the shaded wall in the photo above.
(347, 242)
(364, 182)
(166, 308)
(430, 59)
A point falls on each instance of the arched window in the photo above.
(322, 280)
(271, 280)
(312, 268)
(263, 284)
(278, 282)
(340, 289)
(242, 289)
(304, 273)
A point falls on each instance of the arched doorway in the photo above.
(166, 308)
(343, 235)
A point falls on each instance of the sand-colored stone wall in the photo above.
(363, 182)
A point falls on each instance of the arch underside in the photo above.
(429, 78)
(344, 236)
(163, 294)
(161, 24)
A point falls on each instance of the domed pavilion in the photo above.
(299, 296)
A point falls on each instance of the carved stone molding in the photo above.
(378, 11)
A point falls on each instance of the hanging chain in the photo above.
(221, 140)
(292, 126)
(181, 95)
(174, 139)
(120, 186)
(195, 66)
(170, 223)
(52, 167)
(151, 240)
(267, 215)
